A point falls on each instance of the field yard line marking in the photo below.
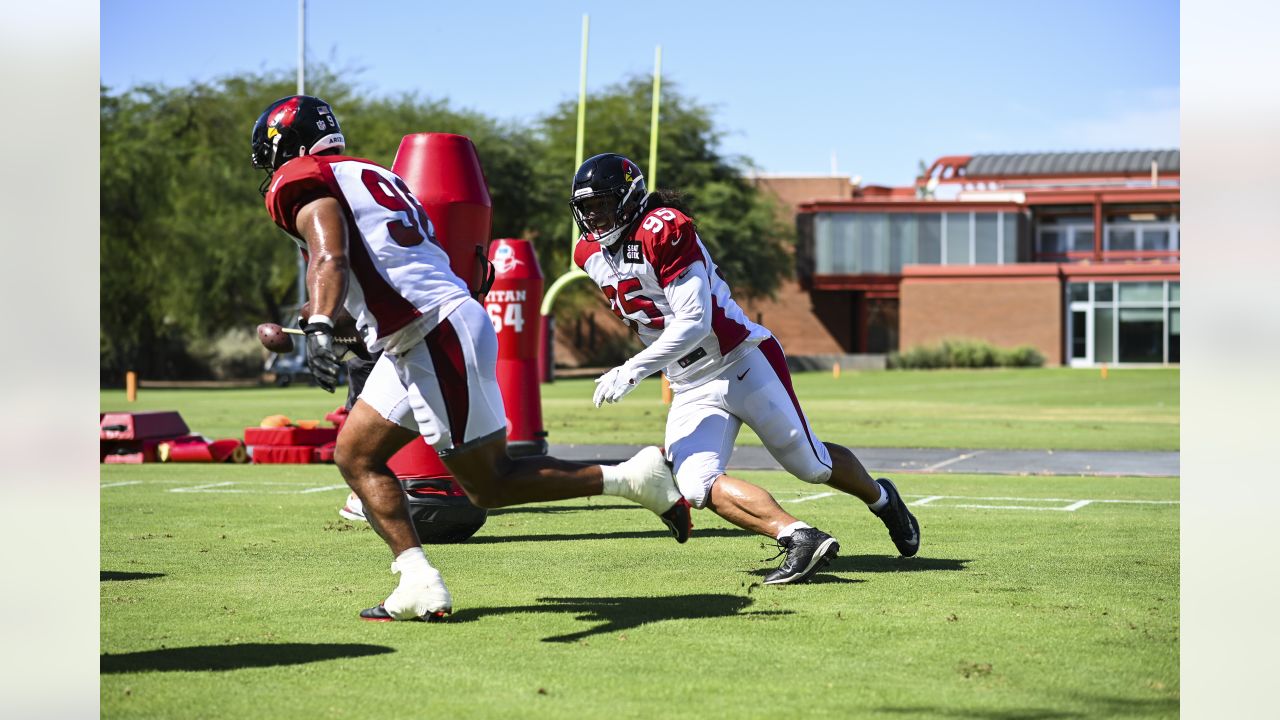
(1075, 505)
(811, 497)
(945, 463)
(926, 501)
(1004, 507)
(320, 489)
(119, 484)
(196, 488)
(1049, 499)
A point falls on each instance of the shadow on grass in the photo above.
(233, 657)
(543, 537)
(616, 614)
(1097, 707)
(888, 563)
(105, 575)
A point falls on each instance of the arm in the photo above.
(321, 223)
(690, 300)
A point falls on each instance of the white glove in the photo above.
(614, 385)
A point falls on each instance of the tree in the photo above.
(737, 223)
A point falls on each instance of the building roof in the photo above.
(1071, 163)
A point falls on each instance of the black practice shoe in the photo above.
(903, 528)
(807, 549)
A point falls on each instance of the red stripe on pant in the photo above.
(778, 361)
(451, 373)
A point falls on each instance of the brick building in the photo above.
(1076, 254)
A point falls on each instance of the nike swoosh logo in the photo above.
(744, 373)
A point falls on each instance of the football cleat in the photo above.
(422, 595)
(354, 509)
(647, 481)
(378, 613)
(807, 549)
(903, 528)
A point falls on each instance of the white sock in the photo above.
(412, 562)
(797, 525)
(878, 505)
(612, 484)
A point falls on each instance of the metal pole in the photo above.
(653, 118)
(302, 75)
(582, 126)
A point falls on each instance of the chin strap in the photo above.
(490, 274)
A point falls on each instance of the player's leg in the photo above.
(358, 372)
(700, 435)
(458, 407)
(767, 402)
(368, 439)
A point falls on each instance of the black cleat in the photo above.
(903, 528)
(378, 613)
(679, 520)
(807, 549)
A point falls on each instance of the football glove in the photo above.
(614, 385)
(321, 357)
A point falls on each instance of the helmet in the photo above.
(292, 127)
(608, 194)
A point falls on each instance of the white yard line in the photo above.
(199, 488)
(811, 497)
(927, 500)
(120, 484)
(1075, 505)
(945, 463)
(322, 489)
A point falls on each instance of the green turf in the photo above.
(1019, 409)
(242, 604)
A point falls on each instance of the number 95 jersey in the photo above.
(634, 276)
(401, 284)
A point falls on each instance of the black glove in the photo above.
(321, 358)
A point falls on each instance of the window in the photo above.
(985, 238)
(873, 242)
(902, 241)
(957, 230)
(1123, 322)
(1142, 292)
(1009, 230)
(1175, 335)
(1104, 320)
(929, 238)
(1082, 238)
(1141, 334)
(1121, 238)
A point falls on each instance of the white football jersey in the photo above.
(401, 284)
(634, 274)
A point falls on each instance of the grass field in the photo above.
(1015, 409)
(239, 600)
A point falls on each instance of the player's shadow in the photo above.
(893, 564)
(618, 614)
(544, 537)
(105, 575)
(233, 657)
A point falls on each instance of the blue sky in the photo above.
(881, 85)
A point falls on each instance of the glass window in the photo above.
(1104, 320)
(1010, 221)
(1078, 292)
(833, 243)
(1155, 239)
(902, 241)
(1103, 292)
(1082, 239)
(1142, 292)
(1051, 242)
(1175, 335)
(984, 239)
(958, 238)
(1079, 339)
(1121, 239)
(1175, 292)
(874, 243)
(1141, 335)
(929, 238)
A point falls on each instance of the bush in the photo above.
(964, 353)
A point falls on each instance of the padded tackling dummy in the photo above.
(441, 512)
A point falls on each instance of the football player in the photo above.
(371, 248)
(644, 252)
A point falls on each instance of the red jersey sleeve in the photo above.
(670, 243)
(583, 250)
(295, 184)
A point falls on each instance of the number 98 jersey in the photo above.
(400, 285)
(634, 275)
